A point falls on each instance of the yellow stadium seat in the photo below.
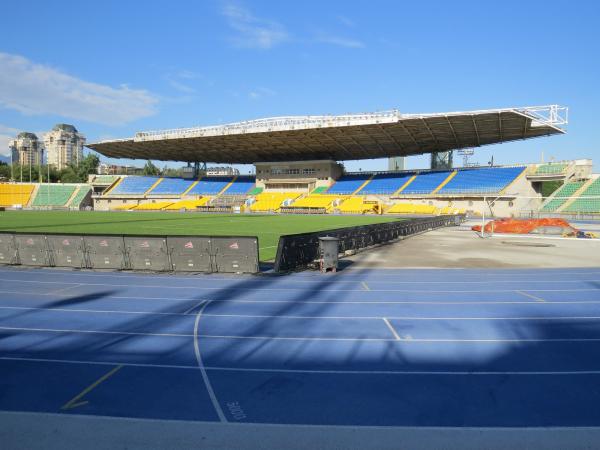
(157, 206)
(358, 205)
(317, 201)
(272, 201)
(187, 204)
(15, 194)
(410, 208)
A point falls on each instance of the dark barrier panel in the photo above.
(298, 250)
(32, 249)
(8, 251)
(147, 253)
(157, 253)
(66, 251)
(190, 254)
(235, 254)
(105, 252)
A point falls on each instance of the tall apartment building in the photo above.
(26, 149)
(64, 145)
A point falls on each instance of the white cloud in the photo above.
(180, 80)
(253, 32)
(36, 89)
(181, 87)
(339, 41)
(261, 92)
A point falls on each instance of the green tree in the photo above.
(150, 169)
(69, 175)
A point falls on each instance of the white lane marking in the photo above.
(307, 279)
(309, 371)
(297, 338)
(535, 297)
(526, 272)
(211, 392)
(63, 290)
(318, 302)
(287, 289)
(187, 311)
(282, 316)
(365, 286)
(389, 325)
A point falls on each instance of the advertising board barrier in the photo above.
(66, 251)
(8, 251)
(297, 251)
(147, 253)
(32, 249)
(155, 253)
(235, 254)
(190, 254)
(105, 252)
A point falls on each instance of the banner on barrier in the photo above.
(190, 254)
(66, 251)
(32, 249)
(177, 253)
(8, 251)
(235, 254)
(105, 252)
(147, 253)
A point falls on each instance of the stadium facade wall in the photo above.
(297, 175)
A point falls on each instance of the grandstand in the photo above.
(241, 185)
(297, 168)
(12, 194)
(171, 186)
(321, 203)
(425, 183)
(551, 168)
(271, 202)
(349, 184)
(49, 195)
(588, 201)
(561, 196)
(481, 180)
(386, 183)
(210, 186)
(359, 205)
(35, 195)
(133, 185)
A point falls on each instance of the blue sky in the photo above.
(113, 67)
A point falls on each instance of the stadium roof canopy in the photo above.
(344, 137)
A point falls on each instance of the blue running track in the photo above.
(458, 348)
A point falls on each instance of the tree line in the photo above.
(39, 174)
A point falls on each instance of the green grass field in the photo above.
(268, 228)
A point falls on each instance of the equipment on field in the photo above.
(556, 227)
(328, 253)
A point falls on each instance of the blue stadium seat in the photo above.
(134, 185)
(482, 180)
(171, 186)
(242, 185)
(347, 184)
(210, 185)
(386, 183)
(426, 182)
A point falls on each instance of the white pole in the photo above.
(483, 217)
